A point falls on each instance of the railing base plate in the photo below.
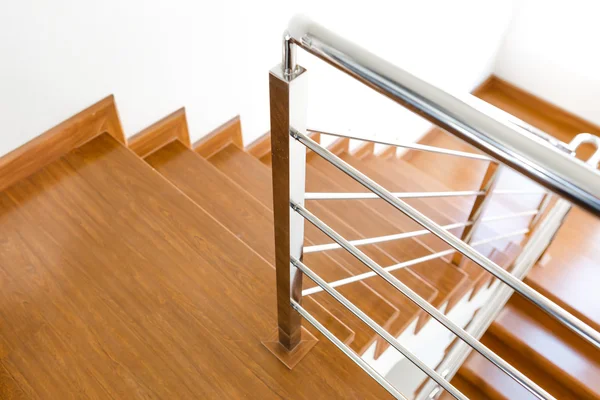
(290, 358)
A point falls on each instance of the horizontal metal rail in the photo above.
(406, 235)
(347, 351)
(410, 263)
(380, 331)
(412, 195)
(479, 124)
(424, 305)
(412, 146)
(574, 323)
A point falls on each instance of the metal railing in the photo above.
(508, 140)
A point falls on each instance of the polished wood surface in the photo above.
(116, 285)
(495, 384)
(243, 168)
(229, 132)
(64, 137)
(172, 127)
(252, 222)
(550, 347)
(261, 146)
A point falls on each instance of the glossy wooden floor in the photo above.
(115, 285)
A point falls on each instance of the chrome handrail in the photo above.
(575, 324)
(508, 140)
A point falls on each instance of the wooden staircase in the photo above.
(145, 270)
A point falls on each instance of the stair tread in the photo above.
(549, 345)
(570, 276)
(243, 168)
(441, 275)
(495, 384)
(112, 268)
(252, 222)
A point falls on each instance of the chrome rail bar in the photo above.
(574, 323)
(347, 351)
(412, 195)
(410, 263)
(487, 314)
(412, 146)
(505, 139)
(406, 235)
(399, 195)
(424, 305)
(380, 331)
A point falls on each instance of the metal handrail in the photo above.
(414, 195)
(566, 318)
(380, 331)
(499, 362)
(405, 235)
(347, 350)
(414, 261)
(508, 140)
(412, 146)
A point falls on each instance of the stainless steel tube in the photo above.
(544, 303)
(412, 146)
(424, 305)
(410, 263)
(405, 235)
(347, 351)
(412, 195)
(505, 139)
(399, 195)
(380, 331)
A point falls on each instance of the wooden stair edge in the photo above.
(387, 153)
(546, 293)
(173, 126)
(261, 146)
(100, 117)
(496, 384)
(365, 150)
(500, 332)
(229, 132)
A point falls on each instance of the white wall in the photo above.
(552, 50)
(58, 57)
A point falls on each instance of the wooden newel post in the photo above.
(288, 103)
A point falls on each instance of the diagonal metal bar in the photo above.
(424, 305)
(569, 320)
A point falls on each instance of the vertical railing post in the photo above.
(487, 186)
(288, 103)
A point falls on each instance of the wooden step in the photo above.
(549, 346)
(495, 384)
(571, 275)
(116, 285)
(472, 392)
(252, 222)
(245, 169)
